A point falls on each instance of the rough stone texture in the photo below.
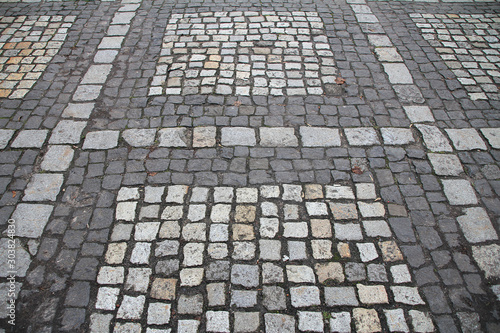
(466, 139)
(57, 158)
(459, 192)
(139, 137)
(43, 187)
(319, 137)
(30, 139)
(101, 140)
(476, 225)
(173, 137)
(238, 136)
(278, 137)
(488, 259)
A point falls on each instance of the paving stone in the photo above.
(390, 251)
(279, 323)
(86, 93)
(204, 136)
(476, 225)
(316, 208)
(310, 321)
(348, 231)
(128, 193)
(190, 304)
(78, 110)
(131, 307)
(216, 294)
(272, 273)
(338, 296)
(238, 136)
(193, 254)
(407, 295)
(328, 272)
(110, 275)
(217, 321)
(138, 279)
(459, 192)
(466, 139)
(304, 296)
(246, 321)
(434, 139)
(140, 253)
(188, 326)
(372, 294)
(31, 219)
(96, 74)
(100, 322)
(445, 164)
(245, 275)
(57, 158)
(375, 209)
(419, 113)
(278, 137)
(400, 274)
(339, 192)
(493, 136)
(127, 328)
(300, 274)
(111, 43)
(396, 320)
(366, 320)
(319, 137)
(389, 54)
(244, 298)
(101, 140)
(367, 251)
(398, 73)
(139, 137)
(43, 187)
(158, 313)
(173, 137)
(126, 211)
(362, 136)
(22, 259)
(116, 253)
(340, 322)
(30, 139)
(5, 136)
(68, 131)
(105, 56)
(106, 298)
(292, 193)
(342, 211)
(488, 259)
(421, 321)
(377, 228)
(397, 136)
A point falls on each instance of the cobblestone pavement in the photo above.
(281, 166)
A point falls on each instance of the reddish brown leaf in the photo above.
(152, 174)
(237, 103)
(14, 194)
(357, 170)
(339, 80)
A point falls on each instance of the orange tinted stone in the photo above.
(25, 52)
(23, 45)
(5, 92)
(14, 60)
(9, 46)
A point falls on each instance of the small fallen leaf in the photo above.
(339, 80)
(14, 194)
(357, 170)
(237, 103)
(152, 174)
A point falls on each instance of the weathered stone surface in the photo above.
(139, 137)
(488, 259)
(476, 225)
(459, 192)
(319, 137)
(57, 158)
(493, 136)
(173, 137)
(30, 219)
(101, 140)
(434, 139)
(398, 73)
(43, 187)
(5, 136)
(445, 164)
(278, 137)
(30, 139)
(362, 136)
(466, 139)
(21, 262)
(238, 136)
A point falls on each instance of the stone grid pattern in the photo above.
(469, 44)
(27, 45)
(201, 251)
(261, 53)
